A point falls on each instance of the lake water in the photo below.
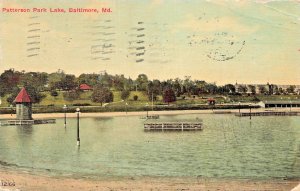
(228, 147)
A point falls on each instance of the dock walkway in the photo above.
(267, 113)
(150, 117)
(158, 125)
(26, 122)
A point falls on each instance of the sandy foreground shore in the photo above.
(115, 114)
(28, 182)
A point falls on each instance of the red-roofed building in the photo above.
(23, 97)
(211, 101)
(23, 105)
(85, 87)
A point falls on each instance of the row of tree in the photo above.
(103, 83)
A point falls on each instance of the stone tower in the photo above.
(23, 105)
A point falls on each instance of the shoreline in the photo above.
(31, 182)
(141, 113)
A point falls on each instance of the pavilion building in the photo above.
(23, 105)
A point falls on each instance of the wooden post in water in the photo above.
(65, 116)
(250, 110)
(78, 137)
(11, 110)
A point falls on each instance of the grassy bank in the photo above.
(124, 108)
(52, 104)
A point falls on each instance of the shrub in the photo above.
(71, 95)
(81, 104)
(54, 93)
(125, 94)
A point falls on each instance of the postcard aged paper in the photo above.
(149, 95)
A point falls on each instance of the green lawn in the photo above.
(265, 98)
(144, 102)
(4, 103)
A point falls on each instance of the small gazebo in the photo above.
(85, 87)
(23, 105)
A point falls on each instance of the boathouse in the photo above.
(280, 104)
(23, 105)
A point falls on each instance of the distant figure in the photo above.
(211, 101)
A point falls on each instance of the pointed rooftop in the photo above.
(23, 97)
(85, 87)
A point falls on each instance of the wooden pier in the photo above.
(173, 126)
(26, 122)
(44, 121)
(150, 117)
(221, 112)
(267, 113)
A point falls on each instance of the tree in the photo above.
(102, 95)
(68, 82)
(153, 89)
(54, 79)
(142, 81)
(291, 89)
(165, 85)
(252, 89)
(35, 95)
(275, 90)
(119, 82)
(211, 88)
(176, 86)
(105, 80)
(262, 89)
(35, 79)
(128, 84)
(229, 88)
(10, 99)
(169, 96)
(8, 80)
(242, 89)
(125, 94)
(189, 85)
(201, 86)
(281, 90)
(90, 79)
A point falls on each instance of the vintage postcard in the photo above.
(149, 95)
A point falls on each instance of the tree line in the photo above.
(37, 82)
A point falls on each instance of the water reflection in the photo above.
(103, 118)
(24, 130)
